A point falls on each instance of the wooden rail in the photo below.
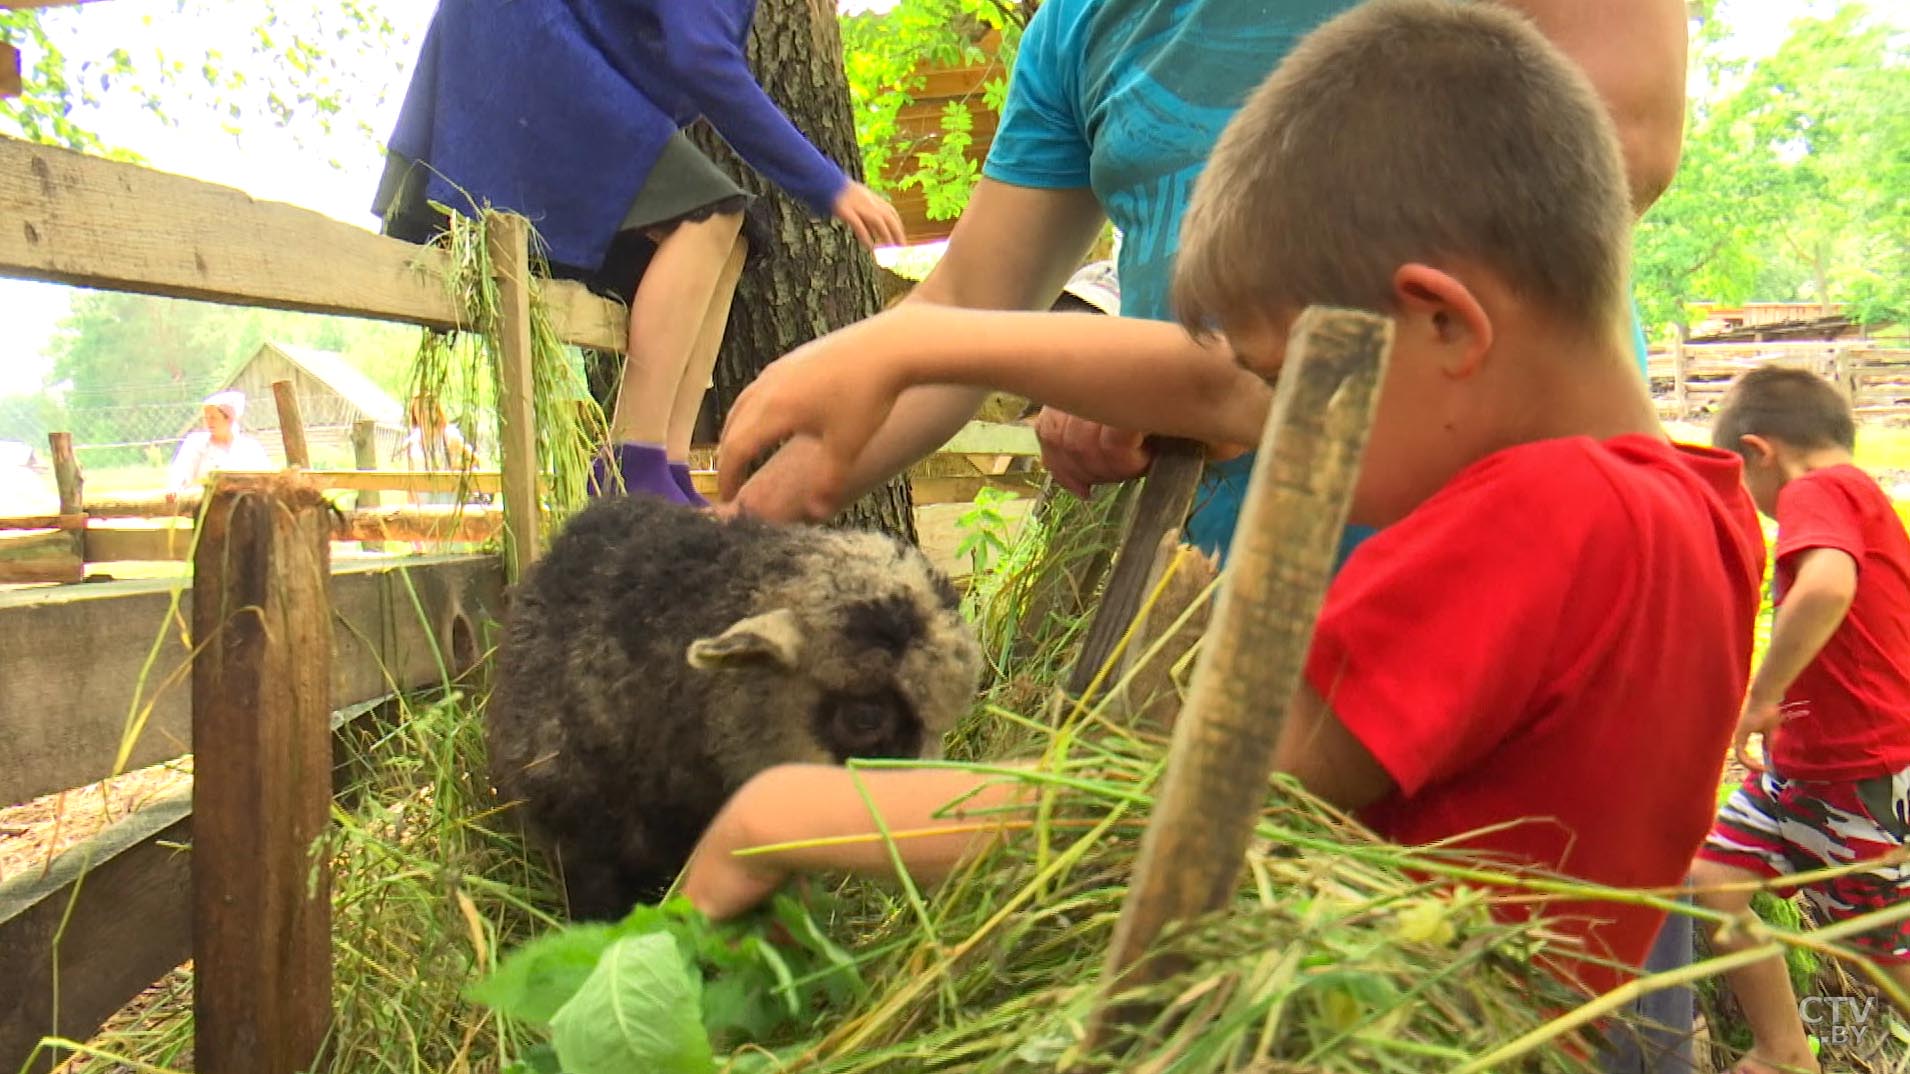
(91, 222)
(1689, 379)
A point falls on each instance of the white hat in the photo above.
(1097, 284)
(232, 402)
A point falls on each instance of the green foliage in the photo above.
(984, 529)
(638, 1010)
(290, 65)
(664, 986)
(884, 54)
(1791, 183)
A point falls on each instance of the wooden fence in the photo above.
(273, 648)
(1689, 379)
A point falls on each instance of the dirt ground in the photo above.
(33, 833)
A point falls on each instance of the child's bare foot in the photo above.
(1757, 1062)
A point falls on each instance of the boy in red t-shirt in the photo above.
(1501, 654)
(1831, 700)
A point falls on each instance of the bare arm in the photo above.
(829, 809)
(1634, 52)
(1013, 249)
(1134, 373)
(813, 803)
(1814, 608)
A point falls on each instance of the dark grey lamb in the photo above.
(655, 659)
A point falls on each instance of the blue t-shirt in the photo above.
(1128, 97)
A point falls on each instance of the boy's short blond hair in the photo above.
(1436, 131)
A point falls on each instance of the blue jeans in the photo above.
(1663, 1042)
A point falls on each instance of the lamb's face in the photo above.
(863, 654)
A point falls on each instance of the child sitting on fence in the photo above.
(1502, 652)
(1831, 700)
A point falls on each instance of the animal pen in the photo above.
(288, 649)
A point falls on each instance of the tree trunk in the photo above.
(813, 278)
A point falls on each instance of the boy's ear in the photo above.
(1446, 313)
(1757, 449)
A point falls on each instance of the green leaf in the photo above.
(532, 982)
(638, 1013)
(540, 1058)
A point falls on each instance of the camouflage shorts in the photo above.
(1777, 827)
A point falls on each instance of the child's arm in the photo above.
(1125, 372)
(815, 803)
(1819, 597)
(809, 803)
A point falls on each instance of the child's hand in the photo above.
(718, 882)
(839, 389)
(1761, 718)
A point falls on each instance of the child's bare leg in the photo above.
(1763, 989)
(696, 378)
(683, 276)
(1899, 973)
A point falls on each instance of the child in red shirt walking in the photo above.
(1499, 654)
(1831, 700)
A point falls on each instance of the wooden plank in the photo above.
(509, 238)
(428, 524)
(993, 438)
(10, 83)
(127, 925)
(156, 541)
(291, 424)
(106, 224)
(70, 681)
(53, 556)
(1165, 499)
(261, 789)
(1193, 849)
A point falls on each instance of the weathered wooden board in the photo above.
(40, 557)
(91, 222)
(523, 517)
(131, 923)
(262, 788)
(74, 657)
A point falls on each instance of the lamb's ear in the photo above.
(772, 638)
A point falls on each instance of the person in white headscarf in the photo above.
(220, 445)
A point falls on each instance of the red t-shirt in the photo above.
(1856, 693)
(1562, 633)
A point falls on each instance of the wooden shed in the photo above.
(332, 397)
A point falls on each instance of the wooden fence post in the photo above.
(71, 482)
(261, 793)
(291, 425)
(1165, 499)
(509, 238)
(1251, 661)
(364, 449)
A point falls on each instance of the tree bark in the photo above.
(813, 278)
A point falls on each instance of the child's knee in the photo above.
(1721, 888)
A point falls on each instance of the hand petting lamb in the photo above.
(655, 659)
